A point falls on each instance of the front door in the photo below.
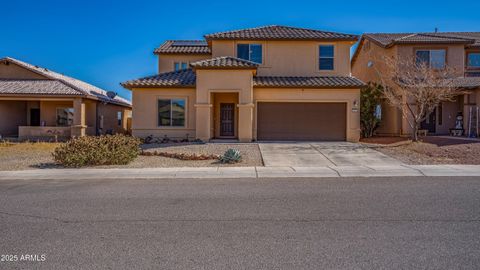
(430, 123)
(227, 117)
(35, 117)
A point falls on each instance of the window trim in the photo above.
(470, 68)
(56, 116)
(180, 65)
(319, 57)
(185, 122)
(249, 44)
(445, 49)
(119, 120)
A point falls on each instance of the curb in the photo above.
(401, 170)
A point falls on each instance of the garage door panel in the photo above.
(301, 121)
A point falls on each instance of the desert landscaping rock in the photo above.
(27, 156)
(436, 150)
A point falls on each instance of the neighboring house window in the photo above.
(64, 117)
(432, 58)
(251, 52)
(119, 118)
(378, 112)
(171, 112)
(327, 57)
(473, 60)
(180, 65)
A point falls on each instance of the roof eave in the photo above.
(309, 86)
(287, 39)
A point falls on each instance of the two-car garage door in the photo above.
(307, 121)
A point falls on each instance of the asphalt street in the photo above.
(288, 223)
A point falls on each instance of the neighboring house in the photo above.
(460, 50)
(266, 83)
(36, 102)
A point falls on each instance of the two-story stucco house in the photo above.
(265, 83)
(459, 50)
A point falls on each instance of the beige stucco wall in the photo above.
(48, 111)
(370, 51)
(12, 115)
(455, 54)
(13, 71)
(224, 81)
(349, 96)
(290, 58)
(110, 120)
(145, 112)
(166, 61)
(393, 122)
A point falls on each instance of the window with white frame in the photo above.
(250, 52)
(64, 117)
(171, 112)
(432, 58)
(119, 118)
(326, 57)
(180, 65)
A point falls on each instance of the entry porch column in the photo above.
(79, 125)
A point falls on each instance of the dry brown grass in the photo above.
(26, 155)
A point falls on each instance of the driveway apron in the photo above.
(314, 154)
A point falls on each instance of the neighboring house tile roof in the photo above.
(308, 82)
(390, 39)
(37, 87)
(183, 47)
(276, 32)
(80, 87)
(187, 78)
(467, 82)
(224, 62)
(181, 78)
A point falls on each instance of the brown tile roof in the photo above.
(183, 47)
(390, 39)
(276, 32)
(181, 78)
(308, 82)
(187, 78)
(36, 87)
(468, 82)
(224, 62)
(82, 88)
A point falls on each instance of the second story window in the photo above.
(180, 65)
(251, 52)
(473, 60)
(432, 58)
(326, 57)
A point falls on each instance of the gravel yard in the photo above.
(250, 155)
(27, 155)
(24, 156)
(436, 150)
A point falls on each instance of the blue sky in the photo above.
(107, 42)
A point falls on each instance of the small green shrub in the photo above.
(231, 156)
(97, 150)
(370, 98)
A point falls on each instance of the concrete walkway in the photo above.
(245, 172)
(304, 154)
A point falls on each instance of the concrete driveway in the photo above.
(314, 154)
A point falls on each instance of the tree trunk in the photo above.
(415, 131)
